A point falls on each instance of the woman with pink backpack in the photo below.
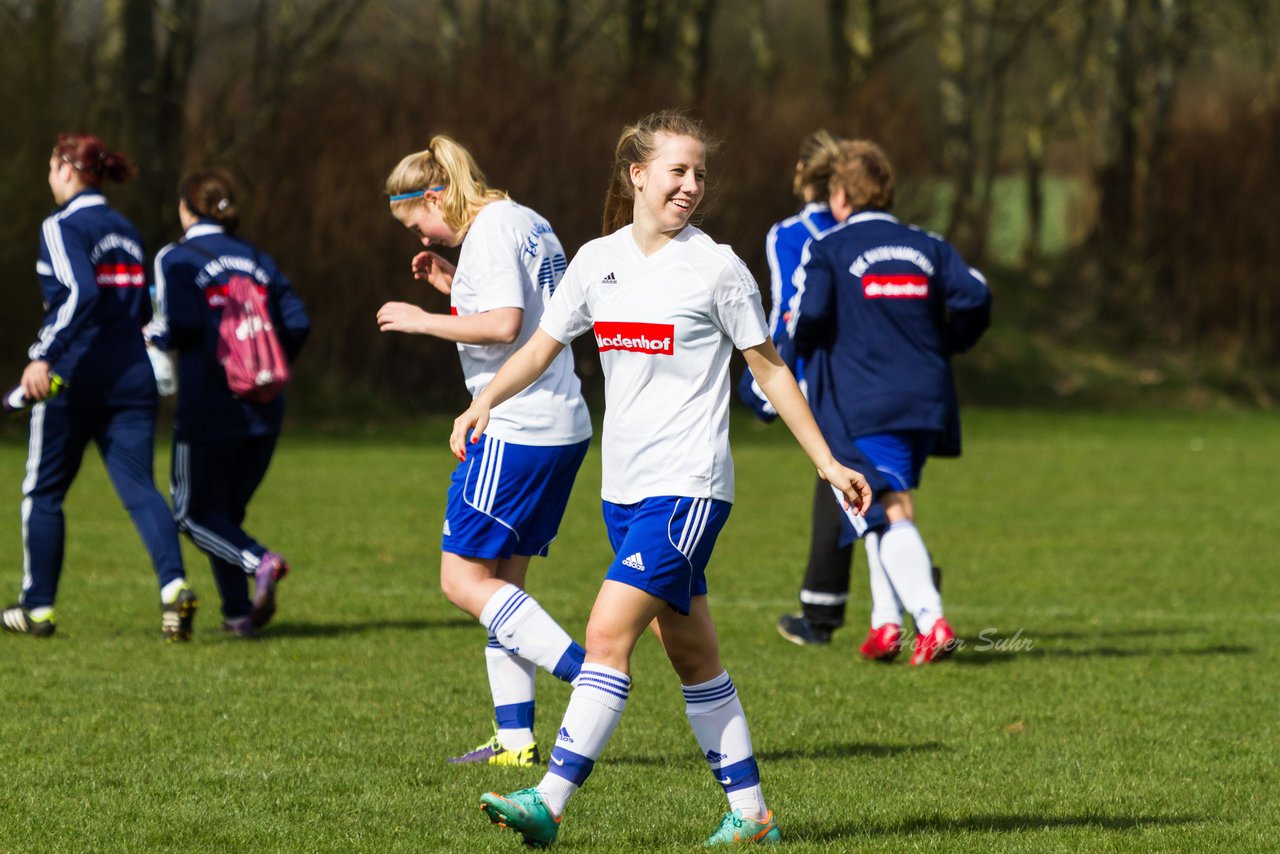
(235, 323)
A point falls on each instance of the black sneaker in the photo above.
(798, 630)
(18, 619)
(177, 618)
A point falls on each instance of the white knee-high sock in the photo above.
(511, 682)
(886, 607)
(521, 625)
(595, 708)
(720, 725)
(906, 561)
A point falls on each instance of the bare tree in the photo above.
(695, 19)
(140, 96)
(864, 33)
(760, 40)
(979, 42)
(1068, 36)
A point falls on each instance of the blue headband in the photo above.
(400, 197)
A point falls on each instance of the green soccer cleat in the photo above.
(38, 622)
(493, 753)
(178, 617)
(524, 812)
(736, 830)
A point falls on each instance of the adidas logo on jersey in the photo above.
(564, 736)
(635, 562)
(447, 532)
(609, 280)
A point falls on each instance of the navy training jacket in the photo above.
(93, 281)
(881, 308)
(191, 277)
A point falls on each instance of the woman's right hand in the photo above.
(402, 317)
(469, 425)
(36, 380)
(435, 270)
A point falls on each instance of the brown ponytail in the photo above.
(211, 195)
(88, 155)
(638, 144)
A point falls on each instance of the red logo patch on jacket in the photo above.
(216, 295)
(901, 286)
(656, 339)
(128, 275)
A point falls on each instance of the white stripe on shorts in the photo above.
(695, 524)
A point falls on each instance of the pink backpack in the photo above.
(248, 346)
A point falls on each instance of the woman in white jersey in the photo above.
(508, 495)
(668, 306)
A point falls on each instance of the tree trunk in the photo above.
(695, 19)
(764, 60)
(957, 121)
(1116, 174)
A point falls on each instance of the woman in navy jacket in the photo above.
(222, 443)
(96, 303)
(882, 307)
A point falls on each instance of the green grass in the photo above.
(1131, 552)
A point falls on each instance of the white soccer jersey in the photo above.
(512, 259)
(666, 326)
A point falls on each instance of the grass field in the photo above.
(1124, 560)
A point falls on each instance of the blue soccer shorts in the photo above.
(898, 457)
(507, 499)
(662, 545)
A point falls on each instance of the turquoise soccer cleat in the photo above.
(524, 812)
(736, 830)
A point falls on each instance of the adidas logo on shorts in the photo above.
(609, 280)
(635, 562)
(447, 532)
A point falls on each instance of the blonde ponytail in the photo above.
(444, 163)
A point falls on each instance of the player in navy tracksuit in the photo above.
(881, 309)
(825, 591)
(783, 245)
(222, 443)
(96, 303)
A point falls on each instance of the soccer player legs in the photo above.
(485, 556)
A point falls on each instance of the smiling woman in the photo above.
(668, 306)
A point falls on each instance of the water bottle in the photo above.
(16, 399)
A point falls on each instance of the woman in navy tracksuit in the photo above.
(96, 302)
(222, 443)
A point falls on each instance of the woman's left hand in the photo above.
(854, 487)
(435, 270)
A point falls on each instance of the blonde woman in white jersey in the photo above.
(508, 494)
(668, 306)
